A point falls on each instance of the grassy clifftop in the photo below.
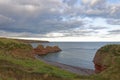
(15, 48)
(17, 62)
(105, 55)
(108, 58)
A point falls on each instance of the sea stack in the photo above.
(105, 57)
(41, 50)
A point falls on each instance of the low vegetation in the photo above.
(18, 65)
(109, 57)
(17, 62)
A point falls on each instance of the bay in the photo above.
(78, 54)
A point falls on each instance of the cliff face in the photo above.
(41, 50)
(105, 57)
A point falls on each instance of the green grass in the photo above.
(32, 65)
(16, 64)
(108, 53)
(12, 67)
(9, 44)
(0, 78)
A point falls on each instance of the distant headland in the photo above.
(26, 40)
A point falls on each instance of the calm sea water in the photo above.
(78, 54)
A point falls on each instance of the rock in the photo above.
(53, 49)
(41, 50)
(40, 47)
(104, 57)
(49, 49)
(56, 49)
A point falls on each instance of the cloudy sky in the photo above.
(61, 20)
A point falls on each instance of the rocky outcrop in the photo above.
(104, 57)
(41, 50)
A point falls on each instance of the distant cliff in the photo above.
(32, 41)
(27, 41)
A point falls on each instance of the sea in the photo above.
(79, 54)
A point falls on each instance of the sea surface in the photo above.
(79, 54)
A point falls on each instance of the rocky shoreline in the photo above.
(41, 50)
(73, 69)
(17, 62)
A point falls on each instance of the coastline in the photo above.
(72, 69)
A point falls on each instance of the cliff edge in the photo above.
(105, 57)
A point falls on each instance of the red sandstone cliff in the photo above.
(104, 57)
(41, 50)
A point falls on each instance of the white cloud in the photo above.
(97, 2)
(113, 21)
(93, 3)
(54, 34)
(101, 8)
(58, 18)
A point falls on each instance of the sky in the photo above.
(61, 20)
